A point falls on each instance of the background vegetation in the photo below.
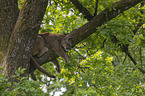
(110, 62)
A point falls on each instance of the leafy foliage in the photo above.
(22, 88)
(98, 66)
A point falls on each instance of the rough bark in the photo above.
(90, 27)
(21, 35)
(8, 15)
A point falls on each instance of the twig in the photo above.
(140, 51)
(96, 7)
(124, 59)
(81, 57)
(82, 9)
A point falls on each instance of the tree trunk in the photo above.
(18, 31)
(8, 15)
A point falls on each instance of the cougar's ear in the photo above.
(68, 38)
(71, 38)
(65, 38)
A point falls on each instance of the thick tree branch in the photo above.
(106, 15)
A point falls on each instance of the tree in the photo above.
(24, 21)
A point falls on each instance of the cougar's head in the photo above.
(67, 43)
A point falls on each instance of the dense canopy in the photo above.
(106, 59)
